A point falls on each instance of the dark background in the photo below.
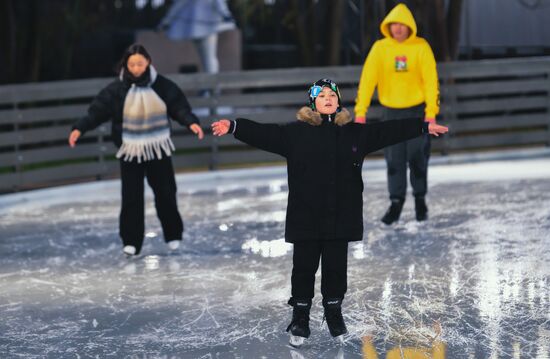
(48, 40)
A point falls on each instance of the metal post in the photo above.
(450, 109)
(102, 149)
(548, 103)
(213, 109)
(17, 147)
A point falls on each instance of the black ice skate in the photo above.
(393, 213)
(334, 318)
(421, 209)
(299, 326)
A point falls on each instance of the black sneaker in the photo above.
(334, 318)
(299, 326)
(393, 213)
(421, 209)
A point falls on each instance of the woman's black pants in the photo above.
(160, 176)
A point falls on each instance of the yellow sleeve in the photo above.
(368, 81)
(438, 350)
(369, 351)
(431, 82)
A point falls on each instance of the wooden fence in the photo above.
(488, 104)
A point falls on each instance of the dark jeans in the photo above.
(334, 266)
(414, 153)
(160, 176)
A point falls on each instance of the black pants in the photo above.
(160, 176)
(414, 152)
(334, 267)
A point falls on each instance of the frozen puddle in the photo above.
(479, 267)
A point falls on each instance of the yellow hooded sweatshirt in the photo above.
(436, 352)
(405, 72)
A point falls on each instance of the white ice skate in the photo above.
(174, 245)
(296, 341)
(129, 250)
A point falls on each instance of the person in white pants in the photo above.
(200, 21)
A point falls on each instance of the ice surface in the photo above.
(479, 267)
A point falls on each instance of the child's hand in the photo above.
(221, 127)
(197, 130)
(73, 137)
(436, 130)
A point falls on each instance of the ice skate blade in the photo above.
(296, 341)
(339, 339)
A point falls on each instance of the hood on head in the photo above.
(306, 114)
(402, 15)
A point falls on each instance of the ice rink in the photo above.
(479, 267)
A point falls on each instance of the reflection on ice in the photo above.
(358, 250)
(276, 248)
(543, 345)
(129, 268)
(151, 234)
(297, 354)
(152, 262)
(429, 346)
(174, 265)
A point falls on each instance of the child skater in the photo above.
(324, 151)
(139, 104)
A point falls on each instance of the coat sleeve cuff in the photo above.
(232, 126)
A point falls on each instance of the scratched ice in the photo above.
(479, 267)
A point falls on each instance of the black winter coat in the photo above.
(108, 105)
(324, 163)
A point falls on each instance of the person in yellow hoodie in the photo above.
(402, 67)
(436, 349)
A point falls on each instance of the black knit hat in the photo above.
(316, 89)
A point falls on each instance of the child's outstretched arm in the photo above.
(381, 134)
(265, 136)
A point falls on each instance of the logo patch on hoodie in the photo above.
(401, 63)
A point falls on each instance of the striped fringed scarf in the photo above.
(145, 126)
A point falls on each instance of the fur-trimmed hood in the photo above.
(307, 115)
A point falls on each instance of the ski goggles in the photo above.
(315, 90)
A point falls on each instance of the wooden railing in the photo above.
(489, 104)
